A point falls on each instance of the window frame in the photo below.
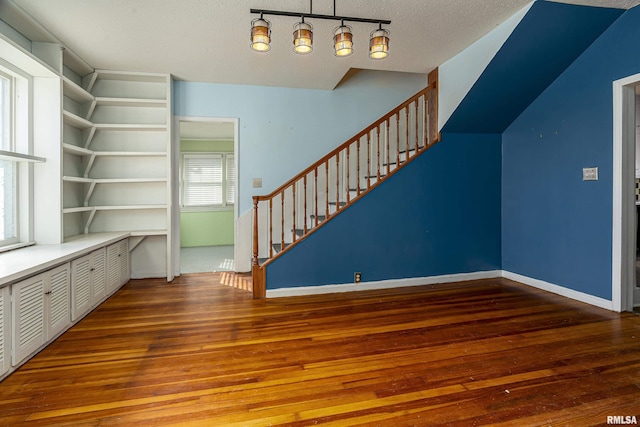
(7, 154)
(20, 153)
(226, 157)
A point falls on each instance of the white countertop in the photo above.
(25, 262)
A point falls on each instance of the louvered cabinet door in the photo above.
(29, 330)
(98, 275)
(57, 299)
(80, 286)
(113, 268)
(123, 255)
(5, 330)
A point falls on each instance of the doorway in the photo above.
(625, 292)
(206, 154)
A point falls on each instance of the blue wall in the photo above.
(549, 38)
(438, 215)
(284, 130)
(556, 227)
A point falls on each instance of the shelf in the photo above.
(128, 127)
(77, 179)
(126, 180)
(128, 207)
(76, 121)
(130, 153)
(80, 151)
(139, 233)
(130, 102)
(78, 209)
(75, 92)
(74, 149)
(125, 76)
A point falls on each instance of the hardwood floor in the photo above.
(203, 353)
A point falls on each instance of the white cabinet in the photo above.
(5, 330)
(89, 282)
(40, 310)
(117, 265)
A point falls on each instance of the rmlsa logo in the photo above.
(620, 419)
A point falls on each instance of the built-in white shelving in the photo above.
(116, 144)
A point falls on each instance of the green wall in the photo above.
(206, 228)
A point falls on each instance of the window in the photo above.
(8, 168)
(208, 180)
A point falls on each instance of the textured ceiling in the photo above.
(208, 40)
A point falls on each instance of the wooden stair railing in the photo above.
(300, 206)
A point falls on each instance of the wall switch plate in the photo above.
(589, 174)
(257, 182)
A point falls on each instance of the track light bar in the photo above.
(319, 16)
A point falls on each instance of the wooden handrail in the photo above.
(400, 153)
(337, 150)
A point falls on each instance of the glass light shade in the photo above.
(379, 44)
(260, 35)
(343, 40)
(302, 38)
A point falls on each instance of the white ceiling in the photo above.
(208, 40)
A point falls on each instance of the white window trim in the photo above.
(224, 207)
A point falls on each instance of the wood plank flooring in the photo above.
(200, 352)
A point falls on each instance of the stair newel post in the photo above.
(294, 203)
(305, 203)
(378, 144)
(434, 135)
(255, 231)
(271, 227)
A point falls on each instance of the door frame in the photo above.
(624, 217)
(175, 192)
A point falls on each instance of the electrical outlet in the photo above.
(357, 277)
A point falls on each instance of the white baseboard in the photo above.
(560, 290)
(382, 284)
(447, 278)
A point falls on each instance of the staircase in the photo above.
(299, 207)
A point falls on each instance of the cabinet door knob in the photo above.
(48, 293)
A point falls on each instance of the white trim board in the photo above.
(381, 284)
(447, 278)
(559, 290)
(622, 253)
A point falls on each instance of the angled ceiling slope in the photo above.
(547, 40)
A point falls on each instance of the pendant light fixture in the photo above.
(303, 33)
(260, 35)
(302, 38)
(379, 44)
(343, 40)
